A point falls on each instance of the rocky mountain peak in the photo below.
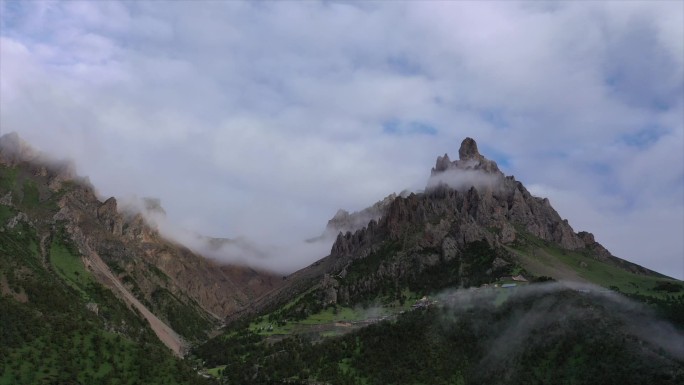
(468, 200)
(469, 159)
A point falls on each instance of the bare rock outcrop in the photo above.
(469, 159)
(109, 216)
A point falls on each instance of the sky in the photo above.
(263, 119)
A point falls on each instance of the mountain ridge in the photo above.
(130, 245)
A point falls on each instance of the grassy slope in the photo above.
(543, 259)
(70, 267)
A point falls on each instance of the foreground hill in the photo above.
(473, 228)
(539, 334)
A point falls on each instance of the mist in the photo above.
(556, 313)
(283, 257)
(464, 179)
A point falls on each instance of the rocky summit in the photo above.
(469, 158)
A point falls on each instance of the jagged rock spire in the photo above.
(443, 163)
(469, 150)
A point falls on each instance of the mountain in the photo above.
(75, 269)
(472, 280)
(468, 203)
(448, 286)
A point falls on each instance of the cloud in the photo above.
(462, 180)
(263, 119)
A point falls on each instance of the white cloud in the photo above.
(262, 119)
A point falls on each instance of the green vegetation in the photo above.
(473, 267)
(8, 178)
(310, 302)
(29, 193)
(6, 213)
(534, 337)
(216, 372)
(69, 265)
(31, 197)
(181, 317)
(322, 324)
(334, 314)
(56, 349)
(669, 287)
(51, 337)
(327, 315)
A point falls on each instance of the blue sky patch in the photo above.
(643, 138)
(496, 117)
(600, 168)
(501, 159)
(403, 65)
(396, 127)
